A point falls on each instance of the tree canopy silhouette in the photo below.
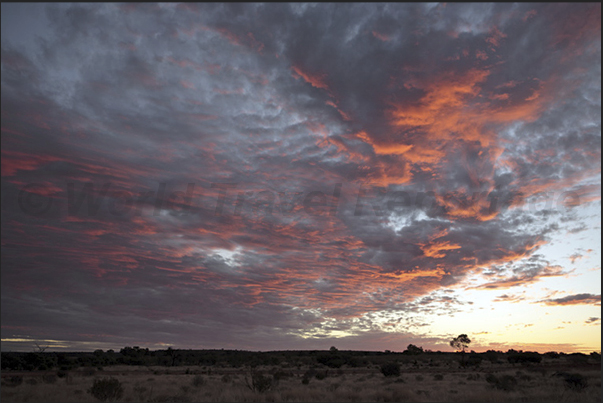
(460, 343)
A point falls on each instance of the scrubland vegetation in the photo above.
(140, 375)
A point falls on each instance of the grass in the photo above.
(143, 384)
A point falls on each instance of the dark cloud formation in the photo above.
(576, 299)
(270, 175)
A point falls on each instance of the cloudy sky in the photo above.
(297, 176)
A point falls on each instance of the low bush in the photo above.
(390, 369)
(50, 378)
(258, 382)
(278, 375)
(12, 381)
(140, 392)
(577, 382)
(198, 381)
(107, 389)
(320, 375)
(524, 358)
(504, 382)
(474, 360)
(552, 354)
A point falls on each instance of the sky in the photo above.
(301, 176)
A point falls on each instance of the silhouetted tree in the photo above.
(413, 350)
(39, 349)
(170, 352)
(461, 343)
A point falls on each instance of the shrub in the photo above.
(524, 358)
(578, 358)
(50, 378)
(305, 380)
(504, 382)
(311, 373)
(13, 381)
(331, 359)
(320, 375)
(422, 392)
(259, 382)
(61, 373)
(438, 377)
(413, 350)
(390, 369)
(492, 356)
(198, 380)
(552, 354)
(473, 361)
(523, 377)
(106, 389)
(140, 392)
(278, 375)
(575, 382)
(419, 378)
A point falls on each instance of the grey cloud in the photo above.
(138, 95)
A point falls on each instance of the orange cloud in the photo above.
(437, 249)
(383, 149)
(317, 81)
(344, 115)
(447, 112)
(495, 37)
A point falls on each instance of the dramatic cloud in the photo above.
(275, 175)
